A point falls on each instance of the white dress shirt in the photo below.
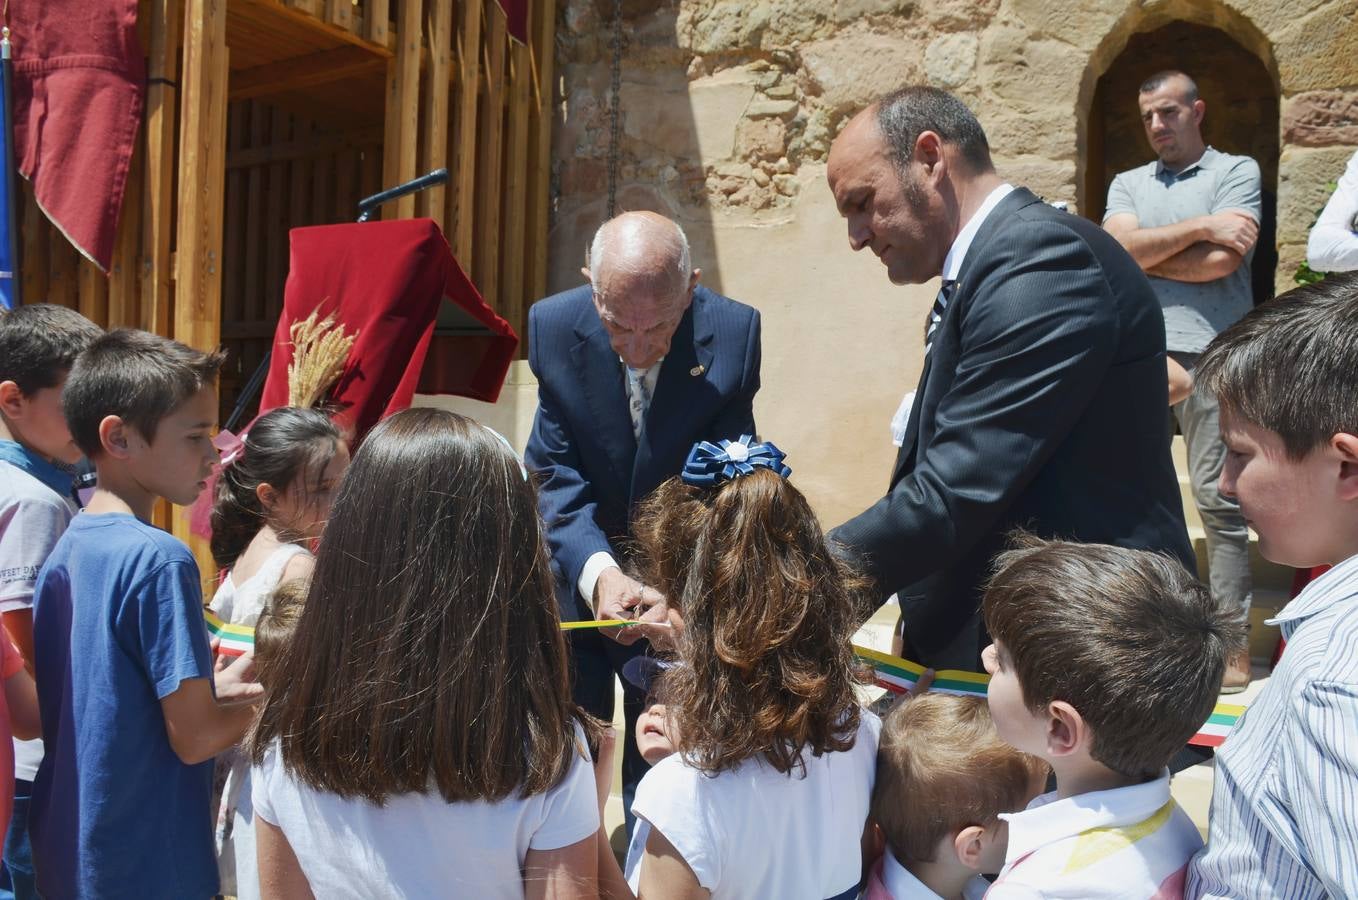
(1333, 243)
(1285, 795)
(901, 883)
(595, 565)
(1130, 843)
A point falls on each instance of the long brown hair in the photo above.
(768, 665)
(429, 652)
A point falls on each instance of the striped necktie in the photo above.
(936, 314)
(638, 398)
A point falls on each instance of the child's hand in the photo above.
(603, 766)
(234, 680)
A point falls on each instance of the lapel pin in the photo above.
(696, 371)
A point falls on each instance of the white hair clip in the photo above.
(504, 440)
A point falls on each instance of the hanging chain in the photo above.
(614, 125)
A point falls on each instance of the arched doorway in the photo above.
(1242, 117)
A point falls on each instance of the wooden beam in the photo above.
(303, 148)
(37, 240)
(198, 280)
(403, 109)
(462, 198)
(439, 27)
(305, 72)
(198, 276)
(514, 212)
(490, 129)
(310, 7)
(157, 202)
(63, 262)
(340, 13)
(93, 293)
(540, 151)
(124, 287)
(261, 10)
(377, 23)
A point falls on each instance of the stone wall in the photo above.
(728, 108)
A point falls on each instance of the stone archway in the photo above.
(1242, 100)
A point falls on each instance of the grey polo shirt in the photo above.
(1218, 182)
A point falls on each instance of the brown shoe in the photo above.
(1237, 676)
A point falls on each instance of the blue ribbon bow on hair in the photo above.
(711, 464)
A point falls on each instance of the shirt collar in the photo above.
(1209, 156)
(58, 478)
(1048, 820)
(952, 263)
(900, 883)
(1320, 594)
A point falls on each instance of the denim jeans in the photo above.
(16, 875)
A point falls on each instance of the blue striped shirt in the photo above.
(1285, 801)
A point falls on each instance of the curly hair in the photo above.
(768, 664)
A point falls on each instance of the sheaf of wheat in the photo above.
(319, 351)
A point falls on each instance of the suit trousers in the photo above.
(596, 661)
(1228, 549)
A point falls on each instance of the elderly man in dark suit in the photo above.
(1042, 404)
(633, 369)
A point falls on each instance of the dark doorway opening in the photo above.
(1242, 118)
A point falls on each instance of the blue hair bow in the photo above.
(711, 464)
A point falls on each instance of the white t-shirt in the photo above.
(420, 845)
(241, 604)
(32, 518)
(755, 832)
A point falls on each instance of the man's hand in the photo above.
(1232, 230)
(618, 597)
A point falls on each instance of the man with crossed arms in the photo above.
(1190, 219)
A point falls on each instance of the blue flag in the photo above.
(9, 232)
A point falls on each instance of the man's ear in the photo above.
(11, 400)
(970, 845)
(929, 154)
(584, 270)
(1199, 110)
(115, 436)
(1066, 729)
(1344, 445)
(693, 279)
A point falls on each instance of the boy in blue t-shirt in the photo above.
(130, 716)
(38, 344)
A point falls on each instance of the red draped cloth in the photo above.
(79, 75)
(516, 19)
(387, 280)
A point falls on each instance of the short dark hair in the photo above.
(280, 446)
(1291, 365)
(941, 768)
(39, 344)
(906, 112)
(1129, 638)
(1157, 81)
(136, 375)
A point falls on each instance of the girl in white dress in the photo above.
(769, 791)
(417, 736)
(272, 500)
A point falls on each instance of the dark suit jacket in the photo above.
(1043, 404)
(592, 471)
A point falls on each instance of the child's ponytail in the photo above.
(281, 445)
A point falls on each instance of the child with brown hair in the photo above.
(272, 498)
(418, 737)
(943, 779)
(273, 631)
(768, 793)
(1105, 662)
